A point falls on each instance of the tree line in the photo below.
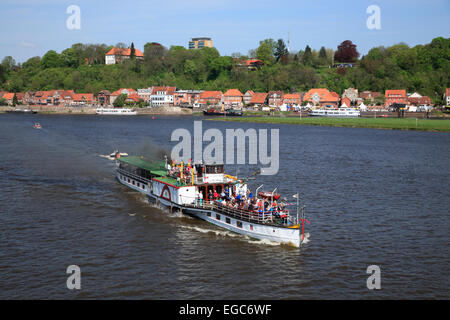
(422, 68)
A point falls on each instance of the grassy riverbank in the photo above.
(379, 123)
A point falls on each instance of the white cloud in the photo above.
(27, 44)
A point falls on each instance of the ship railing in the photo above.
(250, 216)
(134, 176)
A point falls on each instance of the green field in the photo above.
(378, 123)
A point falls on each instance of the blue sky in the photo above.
(31, 27)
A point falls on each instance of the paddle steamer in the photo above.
(206, 192)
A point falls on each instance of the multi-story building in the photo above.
(292, 99)
(258, 100)
(275, 98)
(419, 100)
(346, 102)
(145, 94)
(198, 43)
(395, 96)
(117, 55)
(210, 98)
(233, 99)
(322, 97)
(248, 96)
(103, 98)
(162, 96)
(8, 96)
(82, 99)
(352, 94)
(115, 94)
(369, 95)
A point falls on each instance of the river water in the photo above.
(373, 197)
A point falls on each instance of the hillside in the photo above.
(423, 68)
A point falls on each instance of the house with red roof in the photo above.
(322, 97)
(369, 95)
(82, 99)
(117, 55)
(117, 93)
(103, 98)
(250, 64)
(248, 96)
(186, 98)
(133, 98)
(258, 99)
(419, 101)
(233, 99)
(162, 96)
(275, 98)
(8, 96)
(395, 96)
(53, 97)
(292, 99)
(346, 102)
(210, 98)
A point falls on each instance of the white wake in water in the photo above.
(222, 233)
(306, 239)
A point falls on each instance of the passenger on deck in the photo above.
(200, 198)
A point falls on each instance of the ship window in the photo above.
(217, 216)
(239, 224)
(251, 227)
(227, 220)
(208, 214)
(138, 184)
(133, 182)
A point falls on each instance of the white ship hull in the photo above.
(331, 113)
(116, 112)
(290, 236)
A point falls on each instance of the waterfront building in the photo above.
(115, 94)
(248, 96)
(117, 55)
(395, 96)
(292, 99)
(346, 102)
(352, 94)
(233, 99)
(210, 98)
(8, 96)
(275, 98)
(369, 95)
(162, 96)
(419, 101)
(258, 100)
(103, 98)
(82, 99)
(322, 97)
(145, 94)
(199, 43)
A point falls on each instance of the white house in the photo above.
(162, 96)
(117, 55)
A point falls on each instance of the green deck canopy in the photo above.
(156, 167)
